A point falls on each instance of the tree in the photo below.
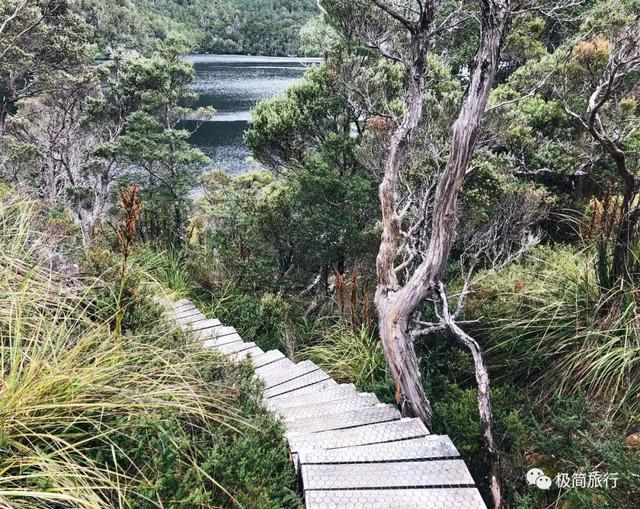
(609, 119)
(398, 299)
(310, 137)
(57, 129)
(149, 97)
(38, 38)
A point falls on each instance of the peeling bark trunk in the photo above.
(3, 120)
(625, 236)
(393, 313)
(396, 303)
(484, 409)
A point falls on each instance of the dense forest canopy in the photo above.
(256, 27)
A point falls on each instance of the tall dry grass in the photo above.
(69, 389)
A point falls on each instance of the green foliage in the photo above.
(231, 466)
(54, 353)
(151, 96)
(257, 27)
(166, 268)
(548, 322)
(307, 136)
(260, 318)
(351, 356)
(563, 435)
(43, 39)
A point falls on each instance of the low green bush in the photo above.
(565, 435)
(243, 464)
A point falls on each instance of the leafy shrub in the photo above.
(244, 464)
(565, 435)
(257, 318)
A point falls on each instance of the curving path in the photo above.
(350, 450)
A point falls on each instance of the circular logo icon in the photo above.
(543, 482)
(533, 474)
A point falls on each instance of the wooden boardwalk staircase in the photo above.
(350, 451)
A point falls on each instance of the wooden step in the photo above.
(268, 358)
(216, 342)
(335, 393)
(202, 326)
(429, 447)
(362, 435)
(251, 352)
(278, 365)
(309, 389)
(400, 474)
(192, 320)
(183, 303)
(216, 330)
(299, 383)
(275, 377)
(343, 420)
(441, 498)
(328, 407)
(236, 347)
(179, 316)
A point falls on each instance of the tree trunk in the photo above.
(395, 303)
(401, 358)
(484, 401)
(393, 312)
(3, 120)
(315, 308)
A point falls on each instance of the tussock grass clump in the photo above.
(349, 355)
(549, 322)
(166, 269)
(70, 393)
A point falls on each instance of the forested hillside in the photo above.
(257, 27)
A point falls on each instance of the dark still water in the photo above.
(233, 85)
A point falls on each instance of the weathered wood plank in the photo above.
(191, 319)
(404, 474)
(216, 342)
(429, 447)
(205, 325)
(297, 383)
(352, 451)
(316, 409)
(268, 358)
(183, 303)
(230, 348)
(335, 393)
(307, 389)
(255, 351)
(278, 365)
(273, 378)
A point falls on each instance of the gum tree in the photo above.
(404, 31)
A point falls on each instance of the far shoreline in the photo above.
(230, 57)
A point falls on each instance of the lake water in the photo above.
(233, 85)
